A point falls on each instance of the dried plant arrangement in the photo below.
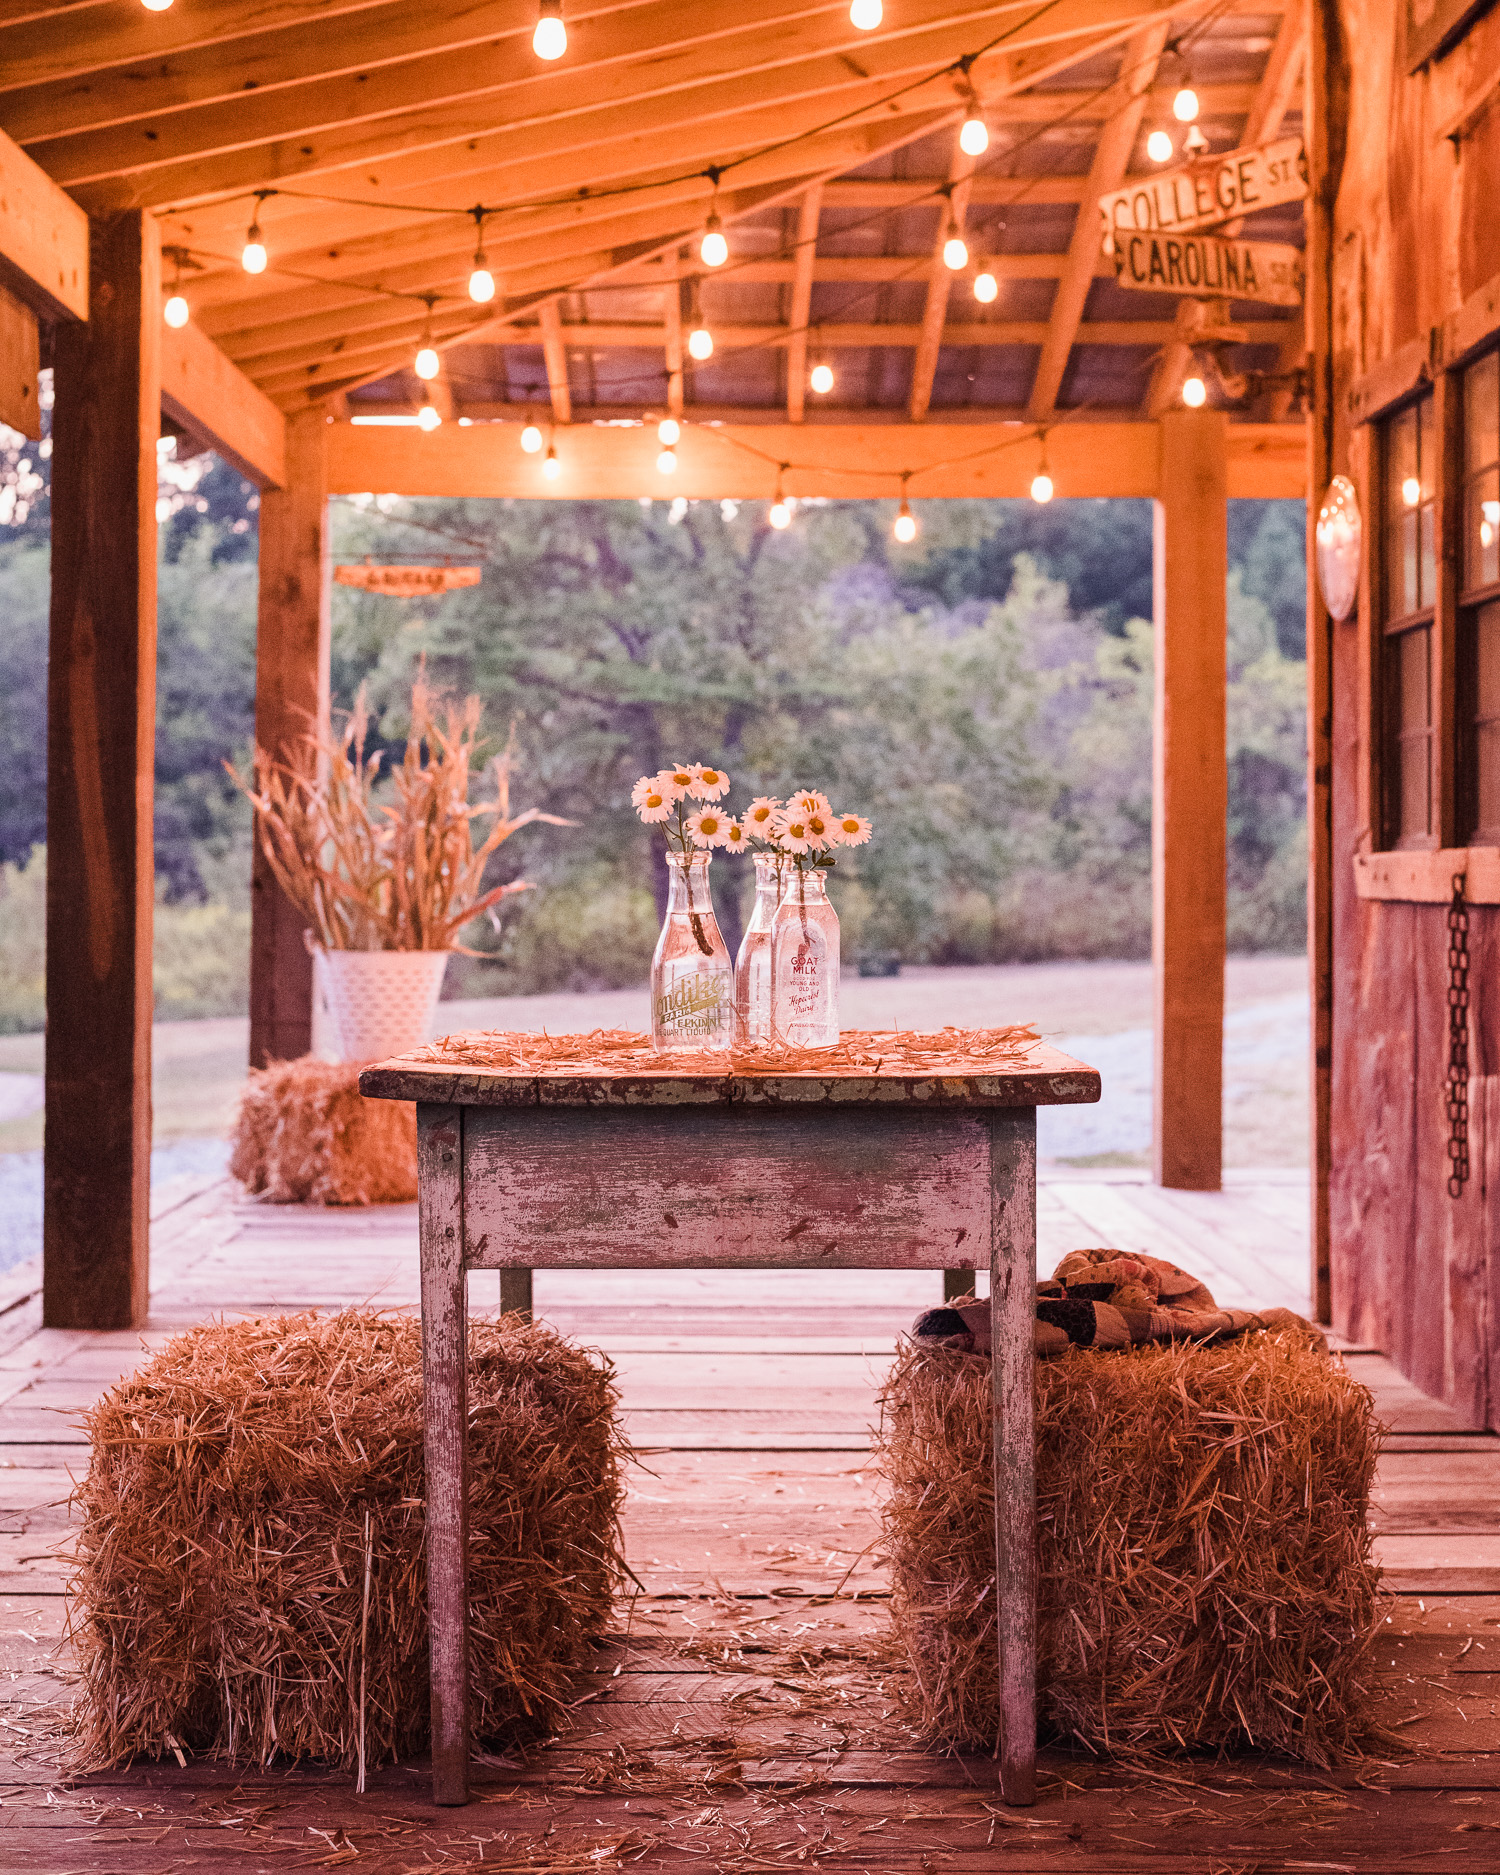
(387, 874)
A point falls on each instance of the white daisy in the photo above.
(676, 778)
(821, 831)
(707, 784)
(852, 829)
(651, 801)
(809, 801)
(709, 827)
(734, 838)
(760, 815)
(791, 834)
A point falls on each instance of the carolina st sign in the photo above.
(1206, 193)
(1270, 271)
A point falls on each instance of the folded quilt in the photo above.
(1104, 1299)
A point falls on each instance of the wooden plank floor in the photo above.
(741, 1717)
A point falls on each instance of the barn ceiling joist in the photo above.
(376, 146)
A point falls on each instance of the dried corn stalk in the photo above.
(396, 874)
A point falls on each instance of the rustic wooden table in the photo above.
(563, 1169)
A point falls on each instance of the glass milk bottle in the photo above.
(805, 963)
(692, 979)
(752, 969)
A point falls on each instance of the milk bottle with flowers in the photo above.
(692, 979)
(805, 930)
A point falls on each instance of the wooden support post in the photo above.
(1013, 1380)
(1190, 801)
(445, 1387)
(101, 738)
(291, 695)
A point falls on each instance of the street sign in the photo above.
(406, 582)
(1209, 265)
(1204, 194)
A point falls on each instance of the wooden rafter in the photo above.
(803, 268)
(1107, 171)
(555, 356)
(671, 300)
(951, 217)
(44, 239)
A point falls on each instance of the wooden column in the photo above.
(101, 732)
(1190, 801)
(291, 695)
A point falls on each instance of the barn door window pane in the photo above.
(1409, 740)
(1408, 460)
(1486, 830)
(1481, 505)
(1411, 562)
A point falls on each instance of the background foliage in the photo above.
(984, 694)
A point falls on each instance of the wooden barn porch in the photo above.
(739, 1717)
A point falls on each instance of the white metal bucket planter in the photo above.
(380, 1003)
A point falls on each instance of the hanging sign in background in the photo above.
(406, 582)
(1204, 194)
(1204, 263)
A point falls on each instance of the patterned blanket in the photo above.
(1103, 1299)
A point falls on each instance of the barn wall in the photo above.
(1416, 233)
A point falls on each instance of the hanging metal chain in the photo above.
(1458, 1040)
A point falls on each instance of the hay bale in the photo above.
(306, 1135)
(219, 1603)
(1205, 1573)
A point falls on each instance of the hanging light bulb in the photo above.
(1194, 393)
(1194, 143)
(779, 514)
(1041, 486)
(428, 417)
(666, 462)
(1159, 147)
(986, 287)
(821, 378)
(550, 40)
(551, 467)
(1185, 105)
(974, 136)
(531, 439)
(427, 363)
(955, 249)
(175, 312)
(669, 431)
(866, 15)
(700, 343)
(905, 528)
(253, 254)
(481, 280)
(156, 6)
(713, 249)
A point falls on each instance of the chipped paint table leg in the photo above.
(660, 1170)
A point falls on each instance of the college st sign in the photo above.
(406, 582)
(1205, 263)
(1207, 193)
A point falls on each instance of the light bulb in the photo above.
(1159, 147)
(666, 462)
(1185, 105)
(1194, 143)
(1194, 393)
(713, 250)
(821, 379)
(428, 418)
(780, 515)
(669, 431)
(1041, 486)
(481, 282)
(156, 6)
(986, 287)
(1411, 491)
(955, 250)
(253, 256)
(531, 439)
(175, 312)
(974, 137)
(550, 40)
(551, 467)
(700, 343)
(866, 15)
(905, 529)
(426, 365)
(1486, 534)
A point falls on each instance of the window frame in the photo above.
(1391, 628)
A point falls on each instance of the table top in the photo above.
(955, 1068)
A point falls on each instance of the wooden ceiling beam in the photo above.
(218, 406)
(44, 239)
(316, 129)
(672, 348)
(555, 357)
(802, 271)
(1111, 159)
(939, 285)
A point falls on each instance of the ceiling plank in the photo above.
(939, 285)
(44, 239)
(323, 127)
(1107, 171)
(803, 268)
(555, 356)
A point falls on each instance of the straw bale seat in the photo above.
(1205, 1576)
(250, 1579)
(306, 1135)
